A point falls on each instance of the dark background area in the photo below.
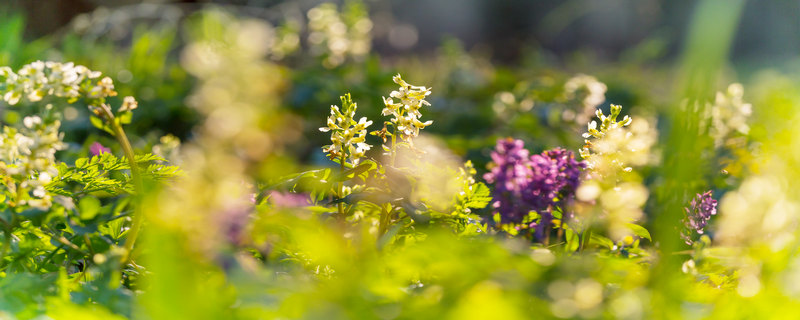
(768, 30)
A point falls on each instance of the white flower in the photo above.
(406, 112)
(128, 104)
(347, 136)
(31, 121)
(36, 80)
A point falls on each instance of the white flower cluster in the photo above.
(585, 91)
(339, 35)
(348, 136)
(617, 144)
(36, 80)
(611, 183)
(405, 111)
(27, 156)
(728, 115)
(39, 79)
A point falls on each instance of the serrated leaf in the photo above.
(480, 198)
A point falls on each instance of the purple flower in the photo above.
(96, 149)
(700, 210)
(556, 176)
(233, 221)
(288, 199)
(511, 175)
(525, 183)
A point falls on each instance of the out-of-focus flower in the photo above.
(612, 194)
(405, 111)
(336, 36)
(236, 95)
(728, 115)
(96, 149)
(128, 104)
(520, 99)
(585, 93)
(27, 158)
(347, 135)
(288, 200)
(700, 210)
(763, 211)
(168, 147)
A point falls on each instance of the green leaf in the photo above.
(124, 117)
(573, 241)
(601, 241)
(481, 196)
(100, 124)
(639, 231)
(361, 171)
(88, 207)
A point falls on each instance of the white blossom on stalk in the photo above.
(405, 111)
(347, 134)
(612, 148)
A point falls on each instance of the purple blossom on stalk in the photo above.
(96, 149)
(511, 176)
(700, 210)
(531, 183)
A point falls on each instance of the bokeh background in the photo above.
(245, 86)
(766, 34)
(476, 43)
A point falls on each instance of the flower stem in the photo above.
(7, 233)
(394, 147)
(340, 191)
(587, 235)
(382, 222)
(386, 211)
(138, 186)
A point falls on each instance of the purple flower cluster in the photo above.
(700, 210)
(524, 183)
(511, 176)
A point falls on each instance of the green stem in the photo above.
(340, 191)
(384, 219)
(547, 235)
(383, 222)
(138, 186)
(585, 239)
(394, 147)
(7, 233)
